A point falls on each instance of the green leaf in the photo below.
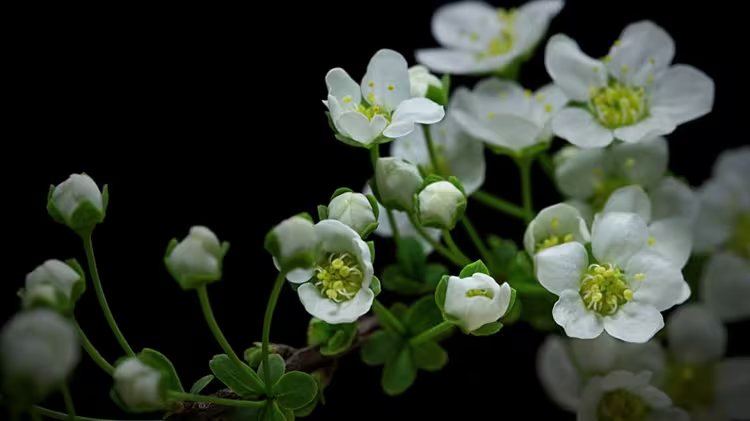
(289, 414)
(333, 339)
(399, 372)
(429, 356)
(272, 412)
(379, 347)
(201, 384)
(488, 329)
(277, 366)
(241, 380)
(243, 414)
(472, 268)
(433, 273)
(295, 389)
(503, 253)
(411, 257)
(440, 292)
(318, 332)
(341, 190)
(394, 280)
(158, 361)
(399, 310)
(422, 315)
(322, 212)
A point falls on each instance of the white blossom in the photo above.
(476, 300)
(53, 283)
(354, 210)
(555, 225)
(478, 38)
(137, 385)
(441, 205)
(196, 259)
(632, 94)
(421, 79)
(381, 105)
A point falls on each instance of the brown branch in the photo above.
(308, 359)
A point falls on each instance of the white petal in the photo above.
(660, 284)
(387, 78)
(733, 161)
(572, 70)
(515, 132)
(452, 24)
(584, 209)
(557, 373)
(715, 218)
(590, 399)
(331, 312)
(549, 99)
(341, 85)
(642, 163)
(655, 125)
(411, 111)
(443, 60)
(682, 94)
(733, 388)
(634, 322)
(725, 286)
(570, 312)
(639, 45)
(355, 125)
(672, 198)
(580, 128)
(556, 220)
(560, 268)
(616, 237)
(696, 335)
(335, 236)
(502, 91)
(576, 175)
(464, 153)
(632, 199)
(296, 276)
(533, 20)
(673, 239)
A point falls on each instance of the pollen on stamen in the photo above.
(347, 99)
(652, 60)
(568, 238)
(474, 36)
(554, 223)
(527, 92)
(607, 59)
(491, 115)
(651, 241)
(596, 69)
(629, 163)
(539, 97)
(371, 84)
(548, 108)
(639, 276)
(391, 87)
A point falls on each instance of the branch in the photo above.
(308, 359)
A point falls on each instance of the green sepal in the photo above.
(371, 246)
(374, 204)
(322, 212)
(51, 209)
(339, 191)
(512, 301)
(374, 187)
(375, 286)
(432, 178)
(120, 404)
(242, 380)
(295, 390)
(488, 329)
(79, 287)
(472, 268)
(276, 365)
(333, 339)
(456, 182)
(201, 384)
(158, 361)
(254, 354)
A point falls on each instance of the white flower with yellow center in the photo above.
(337, 290)
(622, 291)
(505, 115)
(555, 225)
(478, 38)
(476, 300)
(632, 94)
(382, 107)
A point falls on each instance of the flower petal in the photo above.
(631, 199)
(560, 268)
(549, 99)
(672, 198)
(580, 128)
(673, 239)
(340, 85)
(557, 220)
(733, 388)
(617, 236)
(356, 126)
(696, 335)
(557, 373)
(465, 25)
(387, 78)
(655, 125)
(576, 175)
(733, 161)
(645, 48)
(715, 218)
(572, 70)
(443, 60)
(634, 322)
(683, 93)
(642, 163)
(656, 281)
(296, 276)
(413, 110)
(533, 20)
(515, 132)
(570, 313)
(331, 312)
(725, 286)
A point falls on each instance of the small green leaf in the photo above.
(503, 254)
(441, 291)
(429, 356)
(253, 354)
(322, 212)
(201, 384)
(272, 412)
(277, 367)
(318, 332)
(433, 273)
(394, 280)
(341, 190)
(411, 257)
(488, 329)
(379, 347)
(422, 315)
(295, 389)
(241, 380)
(399, 310)
(341, 340)
(289, 414)
(375, 286)
(512, 301)
(399, 372)
(371, 247)
(158, 361)
(472, 268)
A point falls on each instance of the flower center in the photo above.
(618, 105)
(370, 111)
(502, 43)
(740, 240)
(554, 239)
(603, 188)
(604, 288)
(691, 386)
(480, 292)
(621, 405)
(339, 278)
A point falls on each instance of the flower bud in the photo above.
(555, 225)
(39, 349)
(397, 181)
(356, 211)
(138, 386)
(441, 204)
(421, 79)
(292, 243)
(78, 203)
(54, 284)
(476, 300)
(196, 260)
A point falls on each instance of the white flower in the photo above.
(354, 210)
(477, 300)
(397, 181)
(382, 105)
(632, 94)
(77, 202)
(458, 154)
(478, 38)
(506, 116)
(555, 225)
(338, 289)
(441, 205)
(403, 225)
(421, 79)
(725, 286)
(39, 349)
(565, 365)
(623, 292)
(56, 278)
(138, 386)
(197, 259)
(699, 378)
(627, 396)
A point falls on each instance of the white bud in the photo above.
(476, 300)
(397, 181)
(292, 243)
(53, 283)
(354, 210)
(441, 205)
(39, 349)
(77, 202)
(138, 386)
(420, 79)
(197, 259)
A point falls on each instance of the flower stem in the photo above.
(91, 350)
(394, 228)
(453, 247)
(69, 406)
(208, 314)
(524, 164)
(431, 148)
(60, 416)
(547, 165)
(275, 292)
(436, 244)
(189, 397)
(89, 248)
(477, 240)
(374, 155)
(387, 318)
(431, 333)
(499, 204)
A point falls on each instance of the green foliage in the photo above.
(157, 360)
(412, 275)
(472, 268)
(333, 339)
(276, 367)
(242, 380)
(201, 384)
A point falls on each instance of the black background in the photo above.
(211, 114)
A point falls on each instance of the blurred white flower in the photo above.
(421, 79)
(137, 385)
(725, 286)
(440, 205)
(555, 225)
